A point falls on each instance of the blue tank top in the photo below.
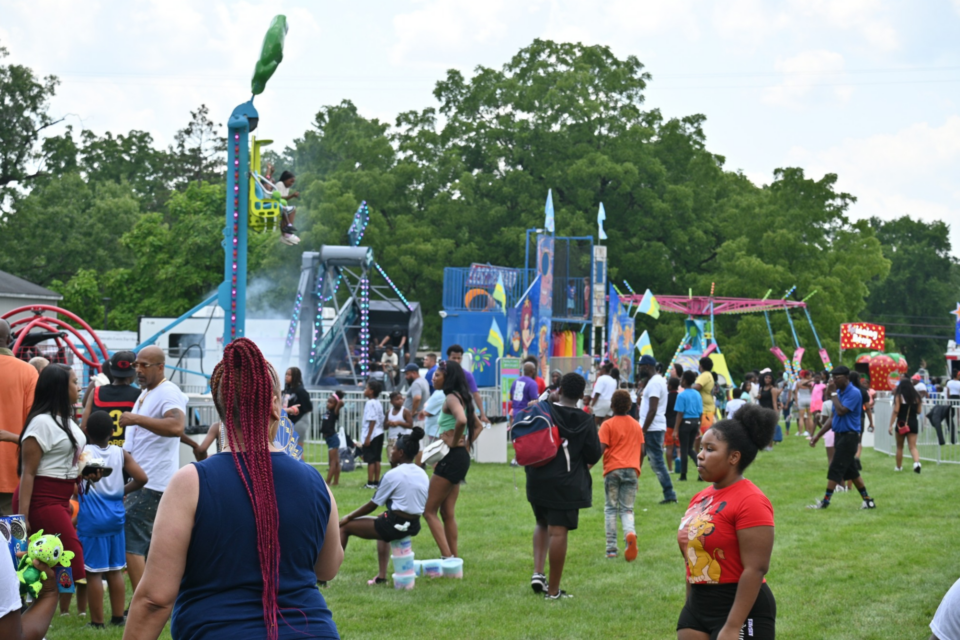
(220, 594)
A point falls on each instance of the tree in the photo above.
(916, 296)
(65, 225)
(199, 150)
(24, 105)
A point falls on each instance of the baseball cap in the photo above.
(121, 364)
(916, 377)
(647, 361)
(412, 367)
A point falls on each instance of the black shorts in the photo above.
(556, 517)
(708, 606)
(373, 451)
(453, 467)
(386, 526)
(844, 465)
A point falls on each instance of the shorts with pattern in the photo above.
(141, 507)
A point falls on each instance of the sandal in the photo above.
(376, 581)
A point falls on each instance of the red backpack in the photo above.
(536, 439)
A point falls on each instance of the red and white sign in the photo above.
(860, 335)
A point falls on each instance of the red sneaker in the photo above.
(631, 553)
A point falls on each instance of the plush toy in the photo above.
(48, 550)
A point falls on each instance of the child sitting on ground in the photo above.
(102, 516)
(621, 441)
(403, 490)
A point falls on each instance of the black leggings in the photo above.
(689, 430)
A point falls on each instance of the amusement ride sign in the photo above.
(860, 335)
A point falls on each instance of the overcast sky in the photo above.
(867, 89)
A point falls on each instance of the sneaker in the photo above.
(117, 621)
(375, 581)
(898, 468)
(806, 434)
(369, 485)
(285, 239)
(868, 504)
(611, 555)
(674, 501)
(916, 467)
(560, 595)
(631, 553)
(840, 489)
(538, 583)
(819, 504)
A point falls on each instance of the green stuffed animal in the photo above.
(48, 550)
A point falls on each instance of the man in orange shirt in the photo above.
(19, 380)
(621, 440)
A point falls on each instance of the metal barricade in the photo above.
(351, 415)
(937, 440)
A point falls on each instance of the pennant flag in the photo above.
(644, 346)
(548, 223)
(649, 305)
(496, 338)
(500, 293)
(601, 217)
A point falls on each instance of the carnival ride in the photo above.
(51, 327)
(248, 207)
(700, 338)
(341, 352)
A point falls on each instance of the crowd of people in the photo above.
(232, 544)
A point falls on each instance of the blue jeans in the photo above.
(654, 445)
(620, 487)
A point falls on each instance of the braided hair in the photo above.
(245, 396)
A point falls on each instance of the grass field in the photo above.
(840, 574)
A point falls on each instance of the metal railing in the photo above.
(202, 413)
(935, 442)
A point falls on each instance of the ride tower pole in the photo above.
(232, 294)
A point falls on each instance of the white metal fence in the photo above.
(939, 422)
(201, 412)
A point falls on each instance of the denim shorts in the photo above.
(333, 442)
(141, 507)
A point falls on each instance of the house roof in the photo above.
(13, 287)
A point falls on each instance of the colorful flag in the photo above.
(649, 305)
(496, 338)
(643, 344)
(601, 217)
(548, 211)
(500, 293)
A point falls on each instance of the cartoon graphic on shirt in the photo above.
(698, 523)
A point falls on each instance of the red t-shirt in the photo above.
(708, 530)
(541, 385)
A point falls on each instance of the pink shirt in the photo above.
(816, 399)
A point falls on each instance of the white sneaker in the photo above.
(285, 239)
(806, 434)
(898, 468)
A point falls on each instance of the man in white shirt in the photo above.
(153, 430)
(653, 418)
(603, 390)
(390, 362)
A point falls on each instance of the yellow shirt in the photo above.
(705, 380)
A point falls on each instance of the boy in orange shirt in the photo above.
(621, 440)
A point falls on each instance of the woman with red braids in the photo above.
(242, 538)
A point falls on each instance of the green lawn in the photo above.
(842, 574)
